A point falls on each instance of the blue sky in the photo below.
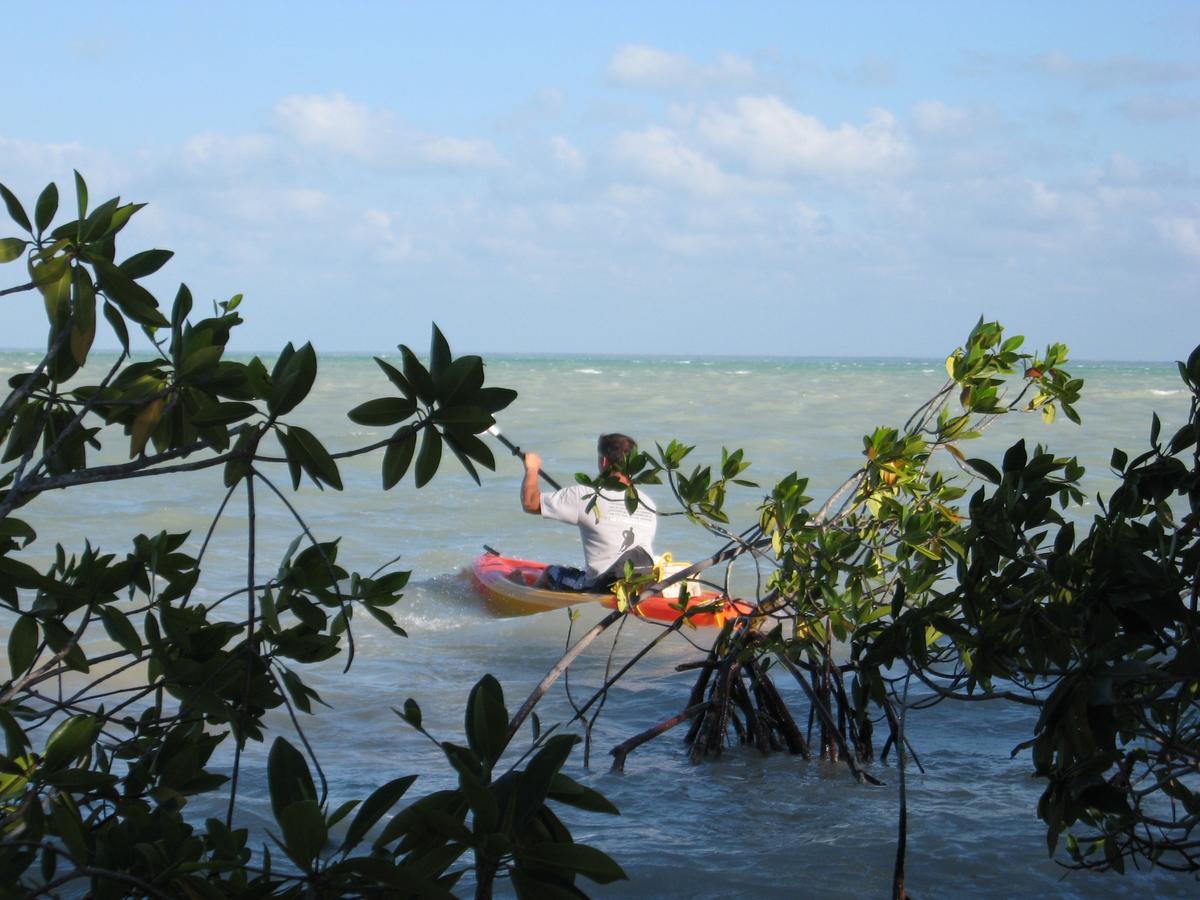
(774, 178)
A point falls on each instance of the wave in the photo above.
(586, 372)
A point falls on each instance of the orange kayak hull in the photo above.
(508, 588)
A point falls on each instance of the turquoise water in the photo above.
(746, 825)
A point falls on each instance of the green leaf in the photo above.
(430, 456)
(473, 447)
(120, 216)
(536, 779)
(145, 263)
(179, 313)
(384, 411)
(417, 375)
(292, 453)
(81, 196)
(462, 458)
(412, 713)
(11, 527)
(68, 826)
(200, 360)
(238, 466)
(985, 469)
(288, 778)
(395, 377)
(586, 861)
(494, 399)
(11, 248)
(315, 458)
(486, 719)
(133, 299)
(118, 325)
(472, 782)
(304, 832)
(460, 380)
(1015, 457)
(439, 354)
(293, 378)
(16, 740)
(23, 642)
(53, 280)
(47, 206)
(83, 330)
(15, 210)
(1192, 366)
(96, 224)
(70, 740)
(223, 413)
(466, 417)
(567, 790)
(397, 456)
(374, 808)
(119, 628)
(898, 599)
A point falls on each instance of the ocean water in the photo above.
(744, 826)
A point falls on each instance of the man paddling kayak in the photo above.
(611, 534)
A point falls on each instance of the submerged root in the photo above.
(734, 701)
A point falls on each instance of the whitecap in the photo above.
(1159, 393)
(586, 371)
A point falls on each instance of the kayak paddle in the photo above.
(495, 432)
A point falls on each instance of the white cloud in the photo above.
(1044, 202)
(875, 72)
(661, 155)
(632, 194)
(333, 122)
(810, 221)
(218, 150)
(337, 125)
(379, 232)
(777, 139)
(566, 155)
(307, 202)
(935, 119)
(22, 154)
(455, 153)
(1157, 108)
(640, 65)
(1182, 232)
(1115, 71)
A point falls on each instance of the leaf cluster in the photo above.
(128, 663)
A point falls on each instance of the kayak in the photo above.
(508, 589)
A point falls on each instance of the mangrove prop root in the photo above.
(707, 668)
(623, 750)
(827, 720)
(770, 700)
(711, 735)
(742, 731)
(757, 730)
(894, 725)
(720, 712)
(861, 744)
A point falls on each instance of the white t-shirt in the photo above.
(616, 530)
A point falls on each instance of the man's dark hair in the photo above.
(615, 447)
